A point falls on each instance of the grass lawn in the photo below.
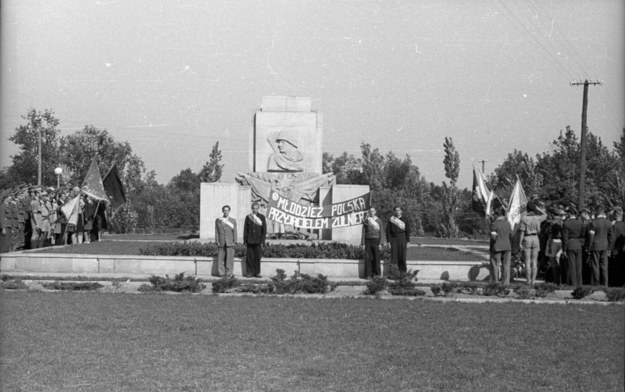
(132, 248)
(106, 342)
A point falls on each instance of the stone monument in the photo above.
(285, 176)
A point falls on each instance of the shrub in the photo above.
(13, 284)
(376, 285)
(471, 288)
(72, 286)
(332, 250)
(405, 286)
(449, 288)
(496, 289)
(582, 291)
(545, 288)
(615, 294)
(299, 283)
(225, 284)
(436, 290)
(524, 292)
(180, 283)
(254, 288)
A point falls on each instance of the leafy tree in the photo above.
(451, 162)
(372, 166)
(24, 168)
(212, 170)
(346, 168)
(520, 164)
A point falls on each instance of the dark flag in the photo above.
(481, 194)
(92, 184)
(114, 188)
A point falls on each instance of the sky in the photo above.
(174, 77)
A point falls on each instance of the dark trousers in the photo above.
(398, 252)
(599, 263)
(372, 257)
(574, 267)
(496, 259)
(252, 259)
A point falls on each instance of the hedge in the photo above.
(332, 250)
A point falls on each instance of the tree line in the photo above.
(442, 210)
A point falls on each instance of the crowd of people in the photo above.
(571, 247)
(32, 217)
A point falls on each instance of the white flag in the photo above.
(70, 210)
(517, 204)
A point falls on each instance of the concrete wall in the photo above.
(53, 263)
(213, 196)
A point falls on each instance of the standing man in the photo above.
(36, 219)
(254, 232)
(398, 235)
(226, 237)
(530, 244)
(372, 241)
(618, 247)
(600, 232)
(554, 246)
(500, 247)
(573, 234)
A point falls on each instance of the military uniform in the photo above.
(600, 230)
(573, 234)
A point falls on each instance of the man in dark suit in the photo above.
(372, 238)
(618, 247)
(398, 235)
(500, 247)
(254, 232)
(573, 234)
(225, 237)
(600, 232)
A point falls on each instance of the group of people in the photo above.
(32, 217)
(374, 236)
(254, 235)
(576, 247)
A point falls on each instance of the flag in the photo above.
(71, 210)
(481, 194)
(517, 204)
(114, 188)
(92, 184)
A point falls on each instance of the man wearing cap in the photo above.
(500, 247)
(226, 238)
(398, 236)
(372, 238)
(618, 248)
(286, 157)
(600, 238)
(573, 234)
(254, 233)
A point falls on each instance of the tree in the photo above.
(520, 164)
(211, 171)
(451, 162)
(24, 168)
(347, 169)
(372, 166)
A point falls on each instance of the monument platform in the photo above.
(123, 266)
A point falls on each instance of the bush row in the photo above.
(296, 284)
(332, 250)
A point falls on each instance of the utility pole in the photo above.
(584, 130)
(483, 162)
(37, 124)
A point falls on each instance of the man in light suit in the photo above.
(254, 233)
(225, 237)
